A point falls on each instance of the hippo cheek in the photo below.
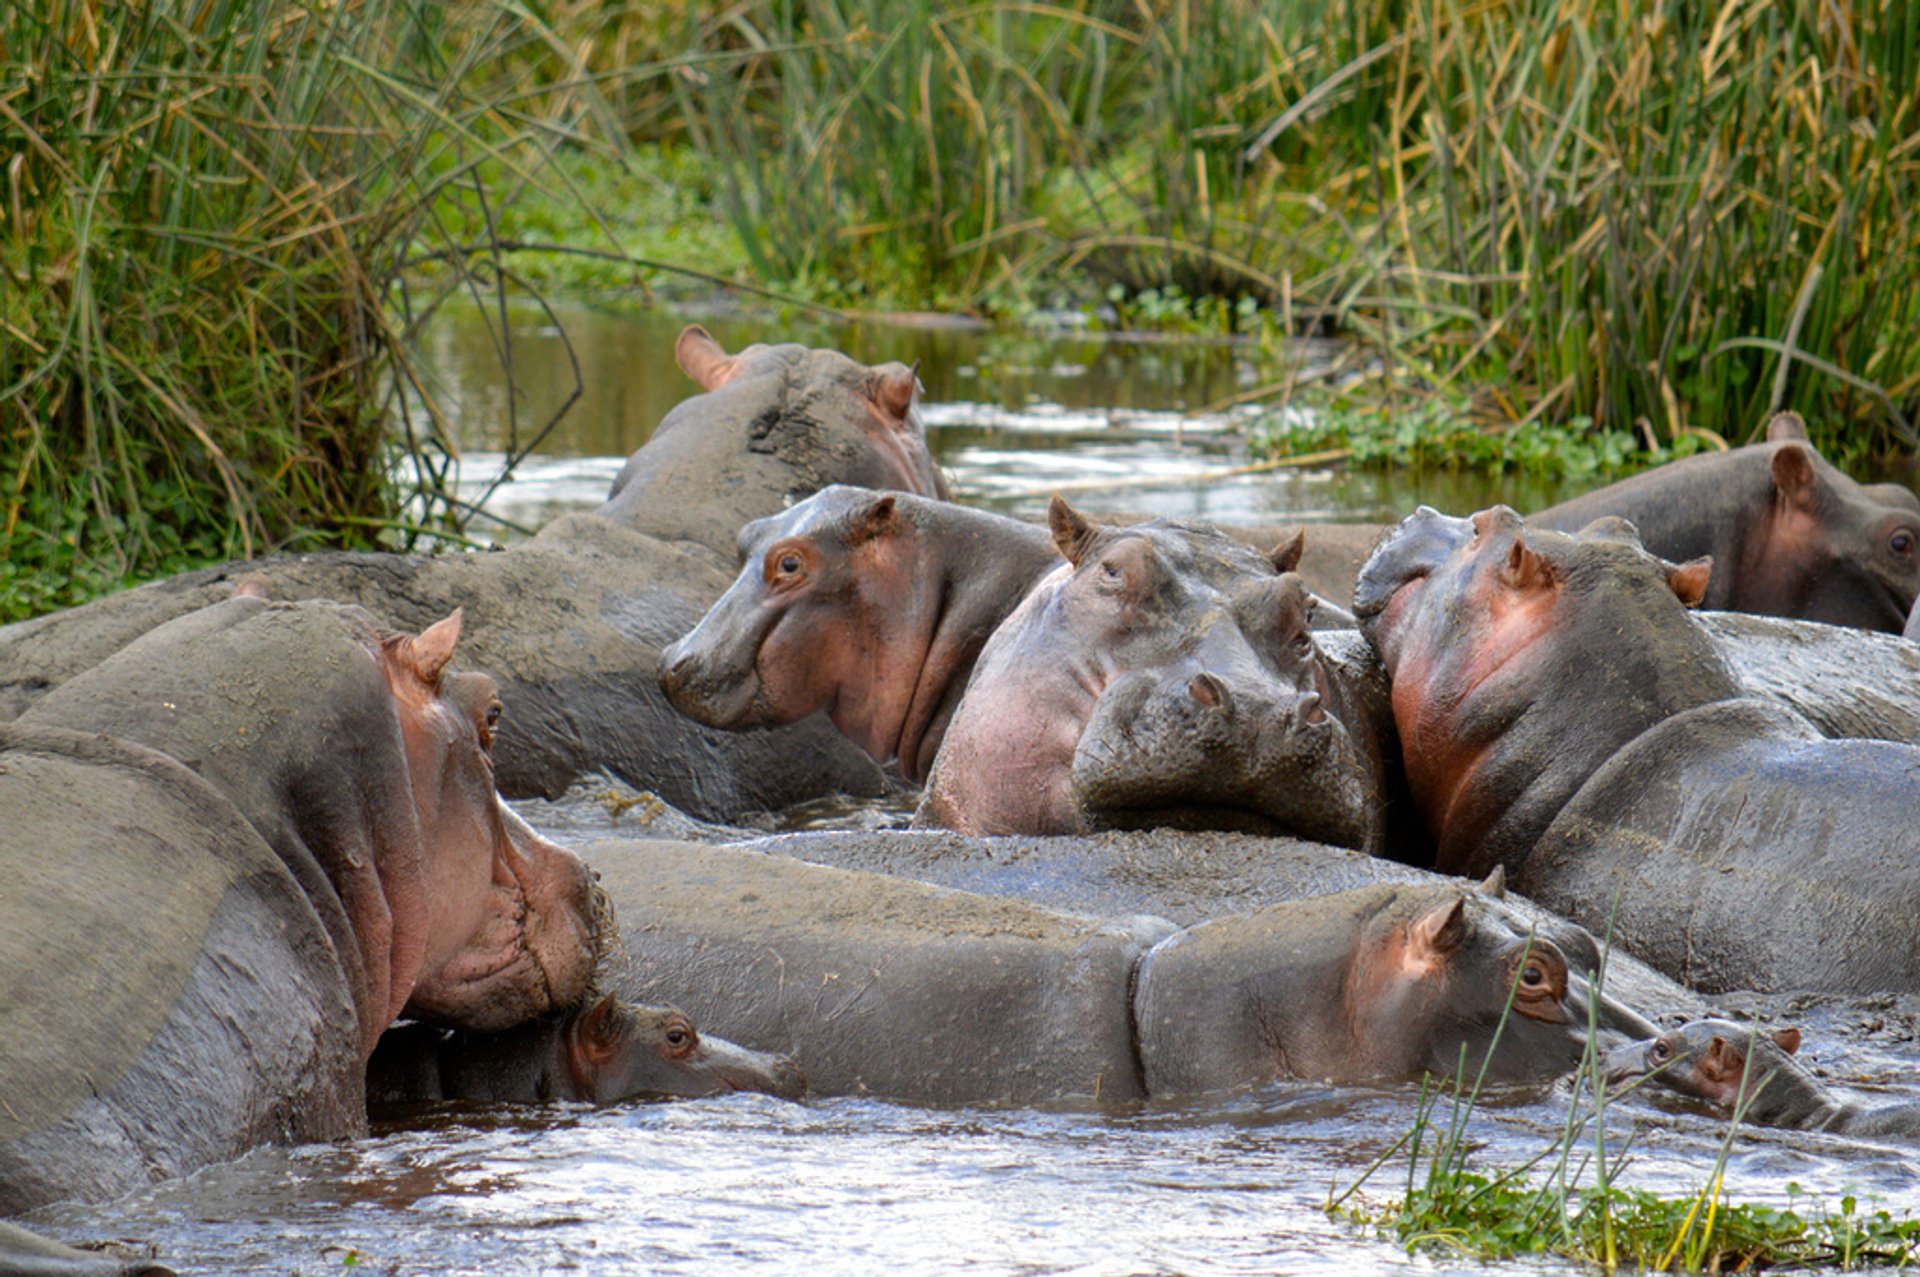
(535, 948)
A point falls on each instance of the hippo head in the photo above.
(823, 585)
(509, 920)
(1449, 977)
(1833, 549)
(821, 387)
(1239, 727)
(1717, 1061)
(1520, 659)
(617, 1050)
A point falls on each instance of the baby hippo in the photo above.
(1723, 1063)
(609, 1051)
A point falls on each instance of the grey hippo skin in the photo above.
(878, 985)
(599, 1054)
(1756, 1076)
(572, 622)
(1179, 626)
(25, 1254)
(1789, 534)
(1562, 713)
(206, 942)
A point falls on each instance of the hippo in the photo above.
(572, 621)
(881, 984)
(1562, 714)
(317, 848)
(1753, 1075)
(1181, 626)
(870, 606)
(1387, 981)
(1791, 534)
(599, 1054)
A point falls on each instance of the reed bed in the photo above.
(1646, 215)
(218, 221)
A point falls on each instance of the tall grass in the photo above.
(1652, 215)
(211, 215)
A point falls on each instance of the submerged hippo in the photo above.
(1387, 981)
(601, 1053)
(1204, 646)
(237, 850)
(882, 985)
(871, 606)
(1561, 713)
(572, 622)
(1789, 534)
(1755, 1076)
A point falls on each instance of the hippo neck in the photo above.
(525, 1064)
(987, 564)
(1614, 670)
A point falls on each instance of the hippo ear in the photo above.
(1071, 532)
(1786, 425)
(427, 655)
(1527, 569)
(1723, 1060)
(1285, 556)
(893, 392)
(1495, 885)
(251, 587)
(1611, 527)
(1793, 474)
(598, 1027)
(1441, 929)
(878, 519)
(1787, 1039)
(1689, 579)
(704, 359)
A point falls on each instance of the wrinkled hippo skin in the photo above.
(870, 606)
(1789, 534)
(1386, 981)
(173, 996)
(365, 766)
(774, 424)
(1755, 1076)
(600, 1054)
(1329, 562)
(1177, 623)
(876, 985)
(572, 622)
(1561, 713)
(25, 1254)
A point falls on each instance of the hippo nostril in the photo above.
(1209, 691)
(1310, 709)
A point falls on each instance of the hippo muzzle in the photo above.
(1422, 542)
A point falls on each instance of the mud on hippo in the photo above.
(1562, 713)
(319, 848)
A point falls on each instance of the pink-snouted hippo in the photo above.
(1755, 1075)
(599, 1053)
(1186, 607)
(1386, 981)
(1789, 534)
(1562, 713)
(871, 606)
(774, 424)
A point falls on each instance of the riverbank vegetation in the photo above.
(1607, 232)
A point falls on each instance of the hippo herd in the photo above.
(1197, 808)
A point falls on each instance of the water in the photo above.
(1234, 1184)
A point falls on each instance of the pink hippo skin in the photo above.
(870, 606)
(340, 744)
(1563, 714)
(1789, 534)
(1151, 613)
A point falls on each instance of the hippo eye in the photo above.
(676, 1037)
(789, 564)
(1111, 572)
(1659, 1052)
(1901, 542)
(493, 715)
(1533, 976)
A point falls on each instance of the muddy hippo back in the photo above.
(777, 423)
(172, 996)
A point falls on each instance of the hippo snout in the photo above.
(700, 690)
(1424, 540)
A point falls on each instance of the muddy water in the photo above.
(1235, 1184)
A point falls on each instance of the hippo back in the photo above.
(172, 998)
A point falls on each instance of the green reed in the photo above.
(213, 221)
